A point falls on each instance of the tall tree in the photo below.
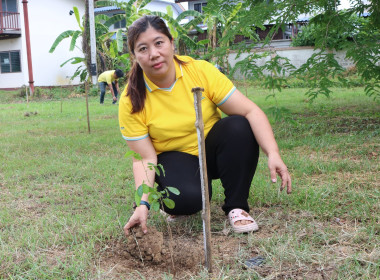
(222, 20)
(363, 49)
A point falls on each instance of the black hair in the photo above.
(119, 73)
(136, 85)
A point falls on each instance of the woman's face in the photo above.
(154, 53)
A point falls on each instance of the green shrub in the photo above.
(335, 37)
(80, 89)
(23, 91)
(37, 92)
(94, 91)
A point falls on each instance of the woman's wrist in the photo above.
(142, 202)
(275, 153)
(146, 203)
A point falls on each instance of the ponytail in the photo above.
(136, 88)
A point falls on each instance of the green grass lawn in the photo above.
(64, 193)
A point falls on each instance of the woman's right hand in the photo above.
(139, 217)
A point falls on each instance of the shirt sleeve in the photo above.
(218, 87)
(132, 126)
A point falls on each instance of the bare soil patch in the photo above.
(154, 255)
(333, 241)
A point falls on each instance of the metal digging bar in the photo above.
(197, 91)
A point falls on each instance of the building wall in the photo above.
(43, 31)
(296, 55)
(47, 19)
(11, 80)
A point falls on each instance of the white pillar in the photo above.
(92, 42)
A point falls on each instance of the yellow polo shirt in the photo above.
(168, 117)
(107, 77)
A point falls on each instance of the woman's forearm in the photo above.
(142, 173)
(262, 130)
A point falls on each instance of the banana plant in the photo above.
(132, 11)
(73, 35)
(186, 45)
(112, 48)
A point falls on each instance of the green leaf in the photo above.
(77, 16)
(140, 191)
(145, 188)
(70, 59)
(74, 38)
(157, 170)
(203, 42)
(188, 13)
(137, 156)
(169, 203)
(63, 35)
(155, 206)
(114, 19)
(137, 198)
(83, 75)
(150, 198)
(133, 154)
(129, 154)
(173, 190)
(160, 166)
(113, 49)
(119, 40)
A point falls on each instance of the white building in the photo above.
(47, 19)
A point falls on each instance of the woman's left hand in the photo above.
(277, 166)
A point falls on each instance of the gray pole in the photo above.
(92, 41)
(197, 91)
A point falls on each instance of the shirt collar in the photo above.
(150, 86)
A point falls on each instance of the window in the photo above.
(198, 7)
(120, 24)
(10, 62)
(9, 6)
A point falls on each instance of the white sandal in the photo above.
(240, 215)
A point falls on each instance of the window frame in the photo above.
(6, 4)
(120, 24)
(10, 62)
(200, 5)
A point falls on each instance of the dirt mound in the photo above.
(146, 247)
(153, 247)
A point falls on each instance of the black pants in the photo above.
(231, 153)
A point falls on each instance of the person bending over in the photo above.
(110, 78)
(157, 120)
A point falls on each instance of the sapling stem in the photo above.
(197, 91)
